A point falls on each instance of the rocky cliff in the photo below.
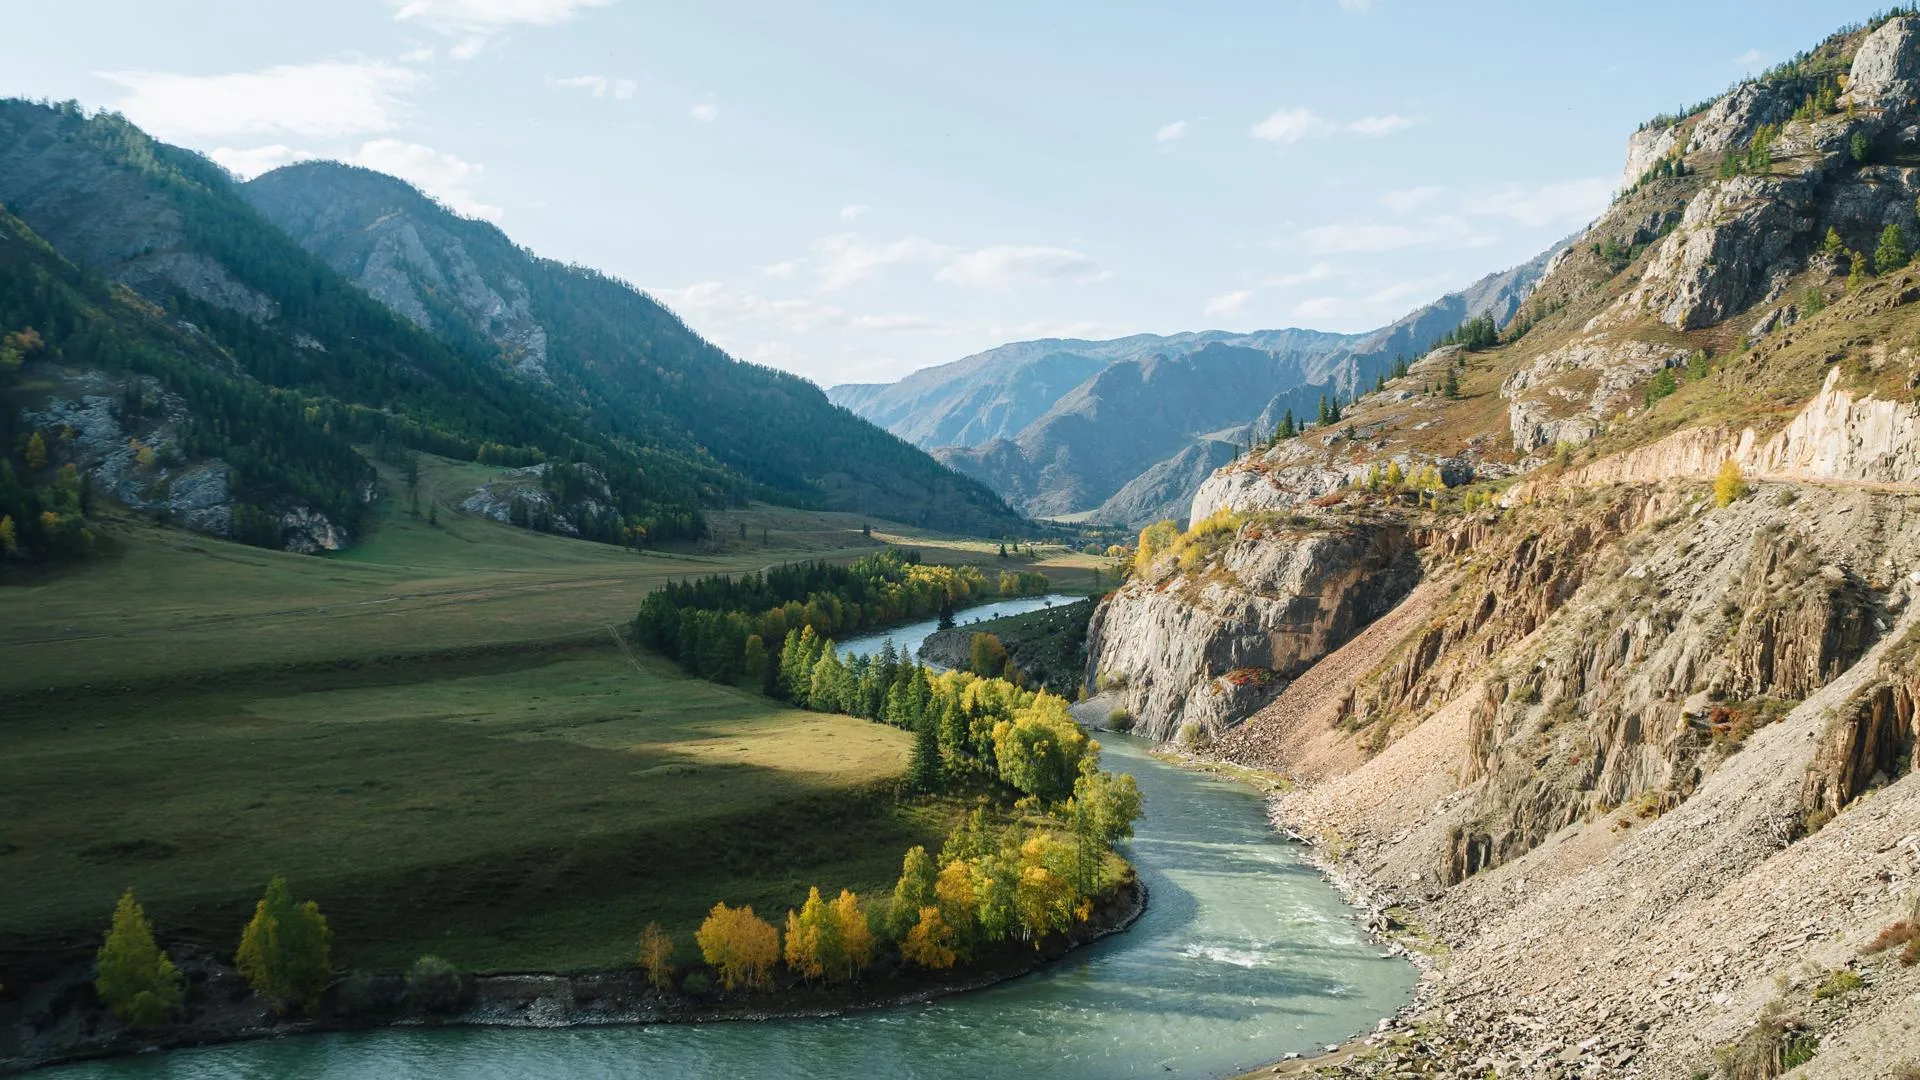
(1635, 754)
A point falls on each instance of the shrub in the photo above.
(1838, 984)
(435, 987)
(1905, 933)
(1775, 1044)
(1194, 735)
(1120, 720)
(1730, 486)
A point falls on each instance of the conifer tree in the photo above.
(286, 951)
(923, 767)
(1452, 387)
(1892, 253)
(133, 977)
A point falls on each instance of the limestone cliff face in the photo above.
(1209, 647)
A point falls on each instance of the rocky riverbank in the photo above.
(61, 1021)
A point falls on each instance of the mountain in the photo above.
(1125, 445)
(1599, 669)
(638, 372)
(612, 420)
(997, 393)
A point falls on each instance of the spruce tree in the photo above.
(132, 976)
(1892, 253)
(923, 767)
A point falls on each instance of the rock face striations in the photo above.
(1624, 715)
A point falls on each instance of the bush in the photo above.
(435, 987)
(1775, 1044)
(1730, 486)
(1194, 735)
(1120, 720)
(1838, 984)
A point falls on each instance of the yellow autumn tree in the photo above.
(656, 955)
(36, 451)
(856, 936)
(1730, 486)
(9, 537)
(813, 939)
(740, 946)
(930, 943)
(959, 906)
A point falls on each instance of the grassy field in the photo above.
(434, 734)
(524, 812)
(160, 604)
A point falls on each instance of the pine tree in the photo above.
(286, 950)
(1452, 386)
(36, 451)
(1892, 253)
(1288, 429)
(1834, 245)
(132, 976)
(1325, 415)
(923, 767)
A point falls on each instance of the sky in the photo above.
(856, 190)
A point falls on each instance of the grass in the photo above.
(160, 604)
(525, 812)
(433, 734)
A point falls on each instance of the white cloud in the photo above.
(249, 163)
(595, 84)
(1750, 59)
(1378, 237)
(1288, 126)
(484, 18)
(1005, 265)
(1171, 132)
(1229, 304)
(421, 55)
(443, 176)
(846, 259)
(1375, 127)
(895, 323)
(706, 112)
(321, 100)
(1407, 200)
(1320, 271)
(1567, 202)
(600, 86)
(853, 212)
(1372, 307)
(781, 269)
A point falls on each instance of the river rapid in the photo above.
(1244, 955)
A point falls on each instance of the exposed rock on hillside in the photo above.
(1210, 648)
(1638, 750)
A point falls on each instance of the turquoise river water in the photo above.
(1244, 954)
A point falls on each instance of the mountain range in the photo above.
(1123, 432)
(361, 317)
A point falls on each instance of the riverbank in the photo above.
(61, 1022)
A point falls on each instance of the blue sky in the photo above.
(855, 190)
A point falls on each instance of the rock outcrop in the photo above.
(1209, 648)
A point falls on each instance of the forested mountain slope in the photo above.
(1592, 646)
(638, 425)
(635, 371)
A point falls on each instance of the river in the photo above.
(907, 638)
(1244, 954)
